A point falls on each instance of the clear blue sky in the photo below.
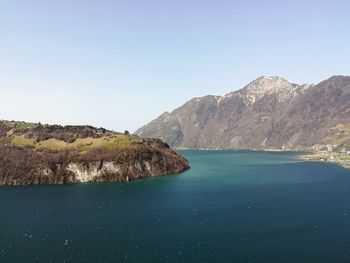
(119, 64)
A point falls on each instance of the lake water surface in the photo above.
(231, 206)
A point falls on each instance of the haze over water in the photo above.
(231, 206)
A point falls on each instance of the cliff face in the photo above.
(268, 113)
(58, 155)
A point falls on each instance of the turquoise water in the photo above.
(229, 207)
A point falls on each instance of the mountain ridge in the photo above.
(267, 113)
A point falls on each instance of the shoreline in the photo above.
(234, 149)
(337, 158)
(340, 159)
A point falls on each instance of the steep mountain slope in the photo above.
(268, 113)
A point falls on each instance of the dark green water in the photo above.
(229, 207)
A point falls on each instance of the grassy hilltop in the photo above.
(56, 137)
(32, 153)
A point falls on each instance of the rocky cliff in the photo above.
(268, 113)
(52, 154)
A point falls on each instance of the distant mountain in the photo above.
(268, 113)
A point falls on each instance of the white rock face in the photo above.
(46, 171)
(83, 174)
(262, 86)
(138, 167)
(148, 166)
(88, 174)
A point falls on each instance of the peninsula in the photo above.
(32, 153)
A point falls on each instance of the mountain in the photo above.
(268, 113)
(31, 153)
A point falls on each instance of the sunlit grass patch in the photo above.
(117, 142)
(345, 157)
(341, 135)
(83, 145)
(21, 141)
(52, 144)
(343, 127)
(19, 124)
(9, 124)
